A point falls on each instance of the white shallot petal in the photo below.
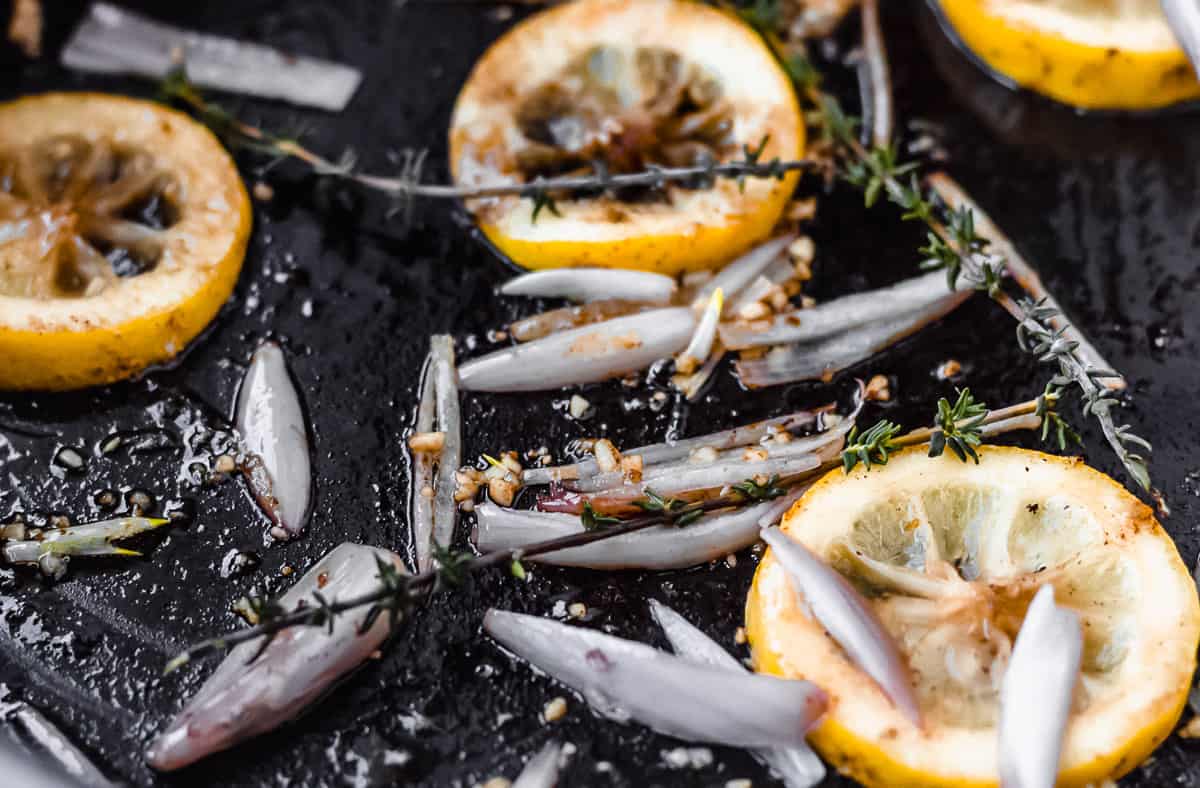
(592, 284)
(543, 324)
(449, 421)
(242, 699)
(848, 618)
(583, 355)
(799, 766)
(839, 315)
(696, 353)
(875, 81)
(680, 449)
(89, 539)
(1035, 697)
(542, 769)
(1184, 18)
(111, 40)
(626, 680)
(51, 741)
(823, 358)
(778, 272)
(274, 435)
(744, 270)
(424, 488)
(659, 548)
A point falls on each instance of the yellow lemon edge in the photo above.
(864, 761)
(59, 360)
(1082, 75)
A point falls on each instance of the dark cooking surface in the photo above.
(1107, 208)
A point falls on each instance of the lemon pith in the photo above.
(691, 229)
(1094, 63)
(54, 339)
(1058, 522)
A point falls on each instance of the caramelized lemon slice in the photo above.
(1096, 54)
(626, 84)
(123, 225)
(950, 555)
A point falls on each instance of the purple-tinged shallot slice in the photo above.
(1035, 698)
(625, 680)
(848, 618)
(583, 355)
(799, 766)
(245, 698)
(276, 459)
(592, 284)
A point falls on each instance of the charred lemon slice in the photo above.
(950, 555)
(1096, 54)
(623, 85)
(123, 225)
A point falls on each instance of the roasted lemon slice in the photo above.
(950, 555)
(123, 225)
(626, 84)
(1096, 54)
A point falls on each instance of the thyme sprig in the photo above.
(407, 185)
(960, 427)
(954, 245)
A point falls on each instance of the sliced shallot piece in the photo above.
(449, 421)
(696, 353)
(52, 742)
(798, 766)
(778, 272)
(680, 449)
(848, 618)
(625, 680)
(270, 420)
(111, 40)
(1022, 272)
(244, 697)
(88, 539)
(537, 326)
(697, 479)
(592, 284)
(839, 315)
(824, 358)
(583, 355)
(542, 769)
(874, 78)
(661, 547)
(1184, 18)
(1035, 697)
(691, 385)
(744, 270)
(424, 488)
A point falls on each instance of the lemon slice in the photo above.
(950, 555)
(1096, 54)
(626, 83)
(123, 225)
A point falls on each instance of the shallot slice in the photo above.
(625, 680)
(839, 315)
(778, 272)
(449, 419)
(542, 769)
(423, 482)
(111, 40)
(1035, 697)
(874, 78)
(701, 345)
(659, 548)
(824, 358)
(245, 698)
(848, 618)
(583, 355)
(543, 324)
(89, 539)
(1184, 18)
(680, 449)
(744, 270)
(270, 420)
(592, 284)
(798, 766)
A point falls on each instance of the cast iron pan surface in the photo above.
(1106, 207)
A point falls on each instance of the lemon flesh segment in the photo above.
(950, 555)
(675, 229)
(1094, 54)
(123, 226)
